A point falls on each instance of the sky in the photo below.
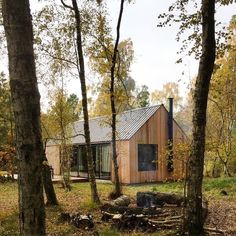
(156, 48)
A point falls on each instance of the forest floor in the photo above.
(221, 214)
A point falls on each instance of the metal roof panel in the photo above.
(128, 123)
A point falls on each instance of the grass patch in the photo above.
(89, 205)
(79, 200)
(213, 187)
(108, 231)
(174, 187)
(9, 225)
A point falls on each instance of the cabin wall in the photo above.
(53, 156)
(154, 131)
(149, 133)
(123, 161)
(122, 148)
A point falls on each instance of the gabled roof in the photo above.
(128, 123)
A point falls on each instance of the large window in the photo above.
(101, 157)
(147, 157)
(102, 160)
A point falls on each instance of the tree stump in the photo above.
(121, 201)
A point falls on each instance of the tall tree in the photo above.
(112, 62)
(204, 47)
(26, 108)
(117, 191)
(91, 169)
(194, 217)
(67, 58)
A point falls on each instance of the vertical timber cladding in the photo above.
(53, 156)
(123, 154)
(162, 139)
(149, 133)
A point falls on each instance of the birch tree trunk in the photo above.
(194, 218)
(26, 108)
(117, 192)
(91, 169)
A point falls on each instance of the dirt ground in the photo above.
(221, 221)
(221, 211)
(222, 216)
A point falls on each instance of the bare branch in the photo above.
(66, 6)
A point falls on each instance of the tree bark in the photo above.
(47, 183)
(226, 169)
(26, 107)
(194, 218)
(118, 191)
(91, 171)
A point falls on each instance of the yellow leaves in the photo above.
(170, 89)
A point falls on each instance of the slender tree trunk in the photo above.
(226, 169)
(65, 162)
(65, 167)
(26, 107)
(194, 220)
(117, 192)
(47, 183)
(214, 168)
(91, 171)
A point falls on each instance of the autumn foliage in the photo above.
(7, 160)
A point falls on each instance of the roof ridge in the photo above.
(119, 114)
(139, 108)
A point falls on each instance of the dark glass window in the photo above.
(74, 159)
(83, 166)
(147, 157)
(101, 160)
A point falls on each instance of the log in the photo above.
(214, 230)
(125, 218)
(152, 199)
(121, 201)
(130, 222)
(130, 210)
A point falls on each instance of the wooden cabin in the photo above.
(143, 150)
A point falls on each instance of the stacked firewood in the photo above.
(147, 216)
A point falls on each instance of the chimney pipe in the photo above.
(170, 167)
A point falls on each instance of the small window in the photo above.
(147, 157)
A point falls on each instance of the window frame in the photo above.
(150, 163)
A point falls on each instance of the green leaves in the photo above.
(187, 15)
